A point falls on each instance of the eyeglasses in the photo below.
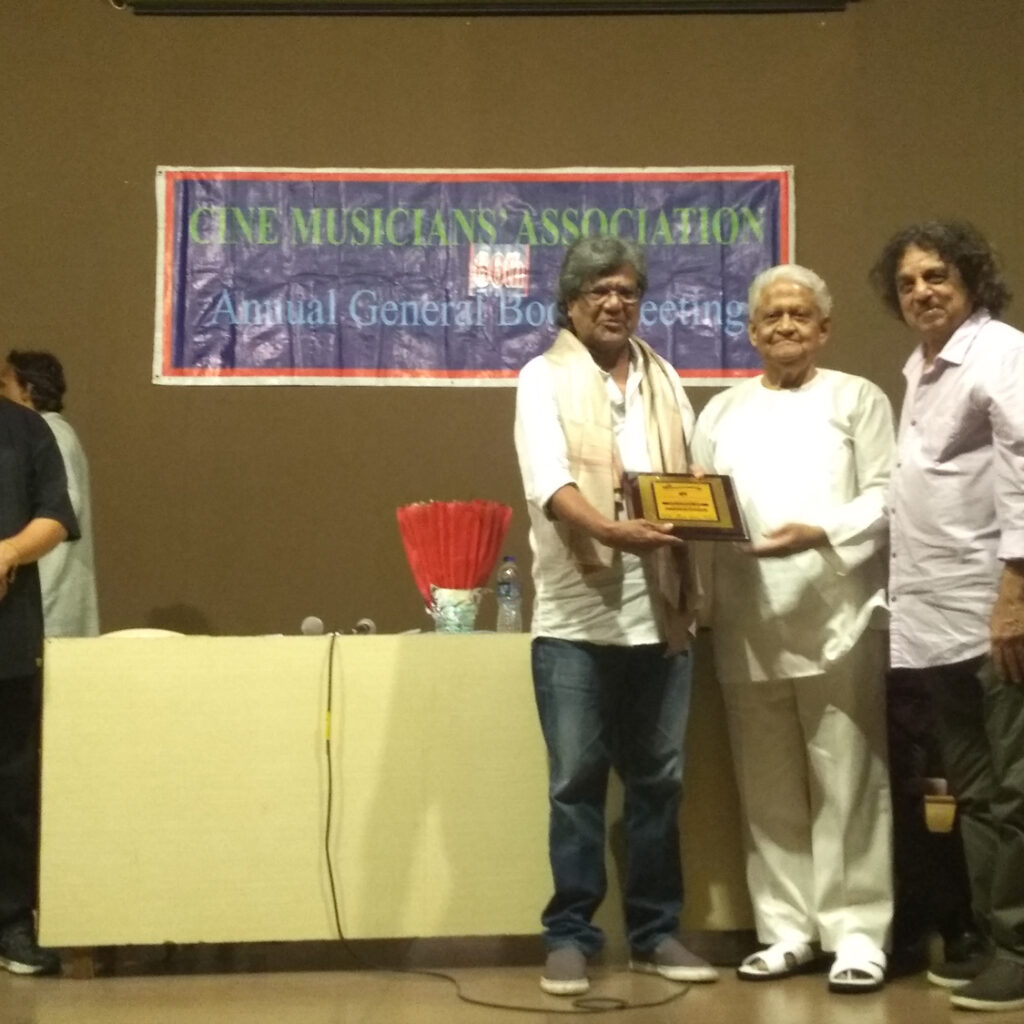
(602, 294)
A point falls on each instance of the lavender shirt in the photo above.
(956, 499)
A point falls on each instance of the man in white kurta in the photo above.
(797, 649)
(68, 573)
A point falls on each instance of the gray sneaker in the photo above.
(20, 953)
(565, 972)
(672, 960)
(999, 987)
(958, 973)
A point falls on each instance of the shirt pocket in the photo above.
(945, 437)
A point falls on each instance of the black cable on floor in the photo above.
(330, 784)
(586, 1004)
(582, 1005)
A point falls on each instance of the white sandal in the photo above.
(780, 960)
(859, 966)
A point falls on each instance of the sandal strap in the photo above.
(776, 958)
(858, 953)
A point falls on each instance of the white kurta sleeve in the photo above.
(857, 529)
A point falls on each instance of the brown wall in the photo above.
(240, 510)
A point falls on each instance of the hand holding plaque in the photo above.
(696, 507)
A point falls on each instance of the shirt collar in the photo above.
(954, 352)
(634, 366)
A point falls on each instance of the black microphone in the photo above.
(364, 627)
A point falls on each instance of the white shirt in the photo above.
(957, 499)
(606, 606)
(67, 574)
(819, 454)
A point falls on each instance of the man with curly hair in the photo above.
(956, 579)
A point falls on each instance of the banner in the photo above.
(282, 276)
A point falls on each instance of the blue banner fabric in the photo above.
(270, 276)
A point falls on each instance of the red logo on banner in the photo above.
(499, 267)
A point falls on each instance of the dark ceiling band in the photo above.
(466, 7)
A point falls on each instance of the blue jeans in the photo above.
(623, 707)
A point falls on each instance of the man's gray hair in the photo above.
(795, 274)
(587, 259)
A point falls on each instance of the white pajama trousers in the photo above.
(810, 763)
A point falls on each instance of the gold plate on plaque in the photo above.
(698, 508)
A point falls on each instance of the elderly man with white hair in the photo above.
(797, 649)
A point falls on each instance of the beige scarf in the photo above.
(586, 416)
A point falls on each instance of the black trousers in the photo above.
(932, 892)
(979, 723)
(20, 713)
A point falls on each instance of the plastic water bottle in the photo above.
(510, 597)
